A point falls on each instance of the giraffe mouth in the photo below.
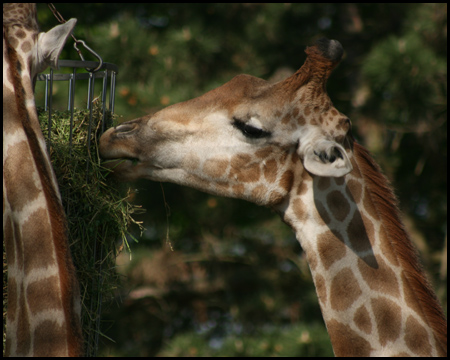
(123, 168)
(114, 163)
(115, 154)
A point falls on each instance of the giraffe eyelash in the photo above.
(249, 130)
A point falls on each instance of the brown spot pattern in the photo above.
(275, 197)
(330, 249)
(270, 170)
(338, 205)
(287, 180)
(36, 242)
(323, 212)
(264, 153)
(381, 279)
(19, 197)
(301, 120)
(362, 320)
(347, 342)
(243, 169)
(344, 290)
(215, 168)
(323, 183)
(357, 235)
(39, 301)
(23, 326)
(41, 336)
(259, 192)
(354, 190)
(416, 338)
(388, 317)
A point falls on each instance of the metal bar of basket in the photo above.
(49, 142)
(91, 108)
(112, 95)
(46, 92)
(71, 106)
(104, 90)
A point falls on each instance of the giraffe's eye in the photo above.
(249, 130)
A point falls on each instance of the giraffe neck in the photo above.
(373, 294)
(43, 295)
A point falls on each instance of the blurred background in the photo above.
(231, 279)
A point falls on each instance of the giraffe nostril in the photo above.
(124, 128)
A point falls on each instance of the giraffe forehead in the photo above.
(272, 113)
(296, 116)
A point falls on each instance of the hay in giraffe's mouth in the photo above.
(120, 167)
(124, 169)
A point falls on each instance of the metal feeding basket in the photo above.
(101, 70)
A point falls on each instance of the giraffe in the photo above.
(43, 295)
(285, 146)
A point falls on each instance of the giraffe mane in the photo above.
(386, 205)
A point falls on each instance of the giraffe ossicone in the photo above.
(284, 145)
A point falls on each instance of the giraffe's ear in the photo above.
(326, 158)
(50, 45)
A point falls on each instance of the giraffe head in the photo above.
(280, 145)
(36, 50)
(244, 139)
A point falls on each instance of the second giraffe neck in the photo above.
(44, 303)
(374, 297)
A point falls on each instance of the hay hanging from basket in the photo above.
(98, 214)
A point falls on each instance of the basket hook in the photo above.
(62, 21)
(100, 60)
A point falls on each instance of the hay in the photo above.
(98, 214)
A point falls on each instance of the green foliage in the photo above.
(407, 76)
(299, 340)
